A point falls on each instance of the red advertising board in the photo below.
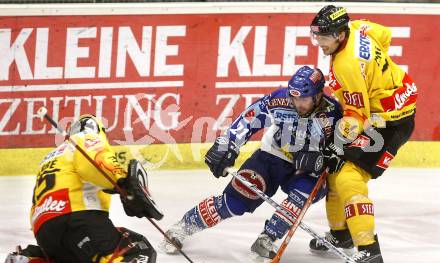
(176, 78)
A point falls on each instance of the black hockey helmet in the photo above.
(330, 20)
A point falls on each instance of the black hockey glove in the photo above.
(221, 155)
(333, 159)
(139, 201)
(334, 164)
(310, 162)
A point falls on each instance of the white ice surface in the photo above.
(407, 207)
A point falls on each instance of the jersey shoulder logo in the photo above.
(55, 153)
(363, 43)
(278, 102)
(94, 142)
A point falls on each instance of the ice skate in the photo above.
(340, 239)
(177, 233)
(264, 246)
(369, 253)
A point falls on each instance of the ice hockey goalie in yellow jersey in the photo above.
(70, 205)
(379, 101)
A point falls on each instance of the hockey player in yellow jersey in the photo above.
(70, 205)
(379, 101)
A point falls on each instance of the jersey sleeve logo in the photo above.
(354, 99)
(249, 116)
(385, 160)
(333, 82)
(401, 97)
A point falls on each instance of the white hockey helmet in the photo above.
(86, 124)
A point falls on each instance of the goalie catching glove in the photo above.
(221, 156)
(139, 201)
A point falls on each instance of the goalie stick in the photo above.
(42, 112)
(287, 214)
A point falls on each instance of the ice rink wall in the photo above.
(168, 78)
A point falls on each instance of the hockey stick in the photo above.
(289, 215)
(42, 112)
(298, 220)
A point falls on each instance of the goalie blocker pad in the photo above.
(139, 201)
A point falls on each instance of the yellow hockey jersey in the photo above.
(366, 81)
(68, 182)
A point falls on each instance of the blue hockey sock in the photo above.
(206, 214)
(278, 225)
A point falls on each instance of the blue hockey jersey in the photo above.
(286, 132)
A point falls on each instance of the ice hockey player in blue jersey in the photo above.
(300, 120)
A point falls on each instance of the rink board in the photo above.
(191, 156)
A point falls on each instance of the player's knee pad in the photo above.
(31, 254)
(252, 177)
(132, 247)
(239, 197)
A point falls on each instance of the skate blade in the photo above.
(259, 259)
(168, 248)
(328, 254)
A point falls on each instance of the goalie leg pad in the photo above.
(78, 237)
(132, 247)
(31, 254)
